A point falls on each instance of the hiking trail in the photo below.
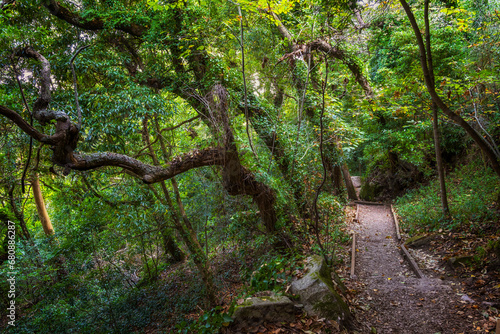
(392, 298)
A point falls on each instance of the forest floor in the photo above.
(385, 295)
(391, 299)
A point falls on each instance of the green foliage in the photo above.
(471, 192)
(272, 272)
(209, 323)
(104, 270)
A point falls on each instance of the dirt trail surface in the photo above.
(392, 298)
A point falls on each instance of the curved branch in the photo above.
(44, 99)
(356, 70)
(322, 45)
(148, 173)
(478, 139)
(76, 20)
(180, 124)
(25, 126)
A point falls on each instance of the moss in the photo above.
(325, 275)
(334, 307)
(369, 191)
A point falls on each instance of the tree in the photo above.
(131, 43)
(435, 128)
(481, 142)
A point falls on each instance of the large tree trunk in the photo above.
(237, 180)
(170, 245)
(337, 180)
(351, 191)
(40, 207)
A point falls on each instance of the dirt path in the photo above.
(393, 299)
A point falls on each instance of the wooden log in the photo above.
(368, 203)
(356, 220)
(396, 222)
(412, 262)
(498, 327)
(353, 255)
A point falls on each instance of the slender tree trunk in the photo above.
(435, 125)
(40, 207)
(478, 139)
(185, 228)
(439, 163)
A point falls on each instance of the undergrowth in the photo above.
(472, 190)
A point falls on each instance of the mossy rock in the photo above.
(461, 261)
(419, 240)
(257, 310)
(321, 295)
(370, 191)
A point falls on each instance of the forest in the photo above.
(164, 164)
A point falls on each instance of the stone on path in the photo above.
(320, 294)
(257, 310)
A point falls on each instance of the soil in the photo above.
(391, 299)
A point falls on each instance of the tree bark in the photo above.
(171, 247)
(40, 207)
(351, 191)
(337, 180)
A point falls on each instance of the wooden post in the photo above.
(353, 255)
(498, 327)
(396, 223)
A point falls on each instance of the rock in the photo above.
(356, 181)
(419, 240)
(369, 191)
(460, 260)
(320, 295)
(467, 299)
(257, 310)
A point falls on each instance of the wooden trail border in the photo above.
(353, 255)
(396, 223)
(411, 261)
(407, 254)
(368, 203)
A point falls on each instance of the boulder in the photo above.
(320, 295)
(460, 261)
(370, 191)
(257, 310)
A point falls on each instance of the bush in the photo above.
(471, 193)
